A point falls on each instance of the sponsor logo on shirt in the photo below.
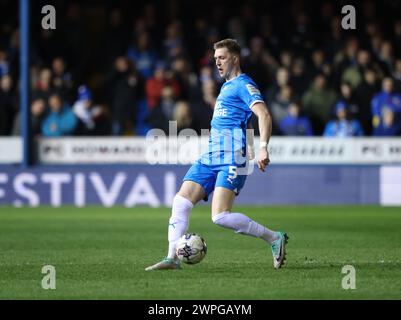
(219, 111)
(252, 89)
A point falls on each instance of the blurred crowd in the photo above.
(122, 67)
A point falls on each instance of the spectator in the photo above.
(61, 79)
(347, 100)
(59, 58)
(385, 99)
(38, 112)
(397, 75)
(203, 107)
(205, 74)
(345, 58)
(173, 43)
(364, 94)
(60, 121)
(127, 90)
(43, 85)
(256, 64)
(299, 77)
(354, 74)
(86, 112)
(162, 113)
(343, 126)
(282, 79)
(182, 115)
(187, 80)
(143, 56)
(372, 29)
(320, 64)
(386, 58)
(8, 105)
(279, 106)
(155, 85)
(293, 124)
(318, 101)
(388, 125)
(286, 58)
(375, 44)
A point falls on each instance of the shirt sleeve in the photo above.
(249, 93)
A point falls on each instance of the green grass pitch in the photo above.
(101, 253)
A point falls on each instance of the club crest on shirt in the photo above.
(252, 90)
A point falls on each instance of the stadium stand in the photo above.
(152, 62)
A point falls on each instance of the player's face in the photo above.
(225, 62)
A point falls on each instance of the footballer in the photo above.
(222, 169)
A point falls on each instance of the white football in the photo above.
(191, 248)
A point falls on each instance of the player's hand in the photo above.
(263, 160)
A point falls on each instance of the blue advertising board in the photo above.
(134, 185)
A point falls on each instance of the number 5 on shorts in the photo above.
(232, 172)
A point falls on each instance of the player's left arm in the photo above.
(265, 130)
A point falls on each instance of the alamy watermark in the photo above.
(49, 280)
(49, 20)
(225, 147)
(349, 20)
(349, 280)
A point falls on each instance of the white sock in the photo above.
(178, 223)
(240, 223)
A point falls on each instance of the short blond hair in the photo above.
(231, 44)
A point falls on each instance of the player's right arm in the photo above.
(265, 131)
